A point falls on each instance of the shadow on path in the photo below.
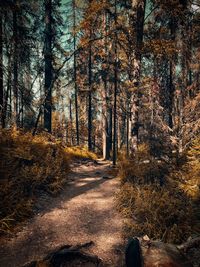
(83, 212)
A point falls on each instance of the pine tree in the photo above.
(48, 66)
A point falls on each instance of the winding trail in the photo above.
(83, 212)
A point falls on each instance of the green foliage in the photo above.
(166, 210)
(28, 165)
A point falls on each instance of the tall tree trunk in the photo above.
(71, 121)
(186, 74)
(171, 76)
(190, 31)
(171, 95)
(75, 74)
(90, 119)
(48, 66)
(128, 120)
(90, 94)
(1, 73)
(106, 149)
(115, 117)
(15, 65)
(8, 92)
(115, 92)
(110, 128)
(137, 21)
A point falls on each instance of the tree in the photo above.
(75, 74)
(48, 66)
(15, 63)
(1, 71)
(137, 28)
(115, 90)
(105, 91)
(114, 74)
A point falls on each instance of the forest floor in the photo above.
(83, 212)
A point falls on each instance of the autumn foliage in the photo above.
(30, 165)
(159, 199)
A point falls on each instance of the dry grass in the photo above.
(142, 168)
(154, 200)
(28, 166)
(78, 152)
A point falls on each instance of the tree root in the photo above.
(66, 255)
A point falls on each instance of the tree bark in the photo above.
(127, 124)
(1, 73)
(75, 74)
(171, 72)
(105, 113)
(90, 119)
(7, 93)
(137, 24)
(106, 150)
(48, 66)
(15, 66)
(115, 93)
(90, 94)
(71, 121)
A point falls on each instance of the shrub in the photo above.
(28, 164)
(142, 168)
(156, 211)
(78, 152)
(161, 210)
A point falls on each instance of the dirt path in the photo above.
(83, 212)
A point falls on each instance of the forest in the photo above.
(99, 133)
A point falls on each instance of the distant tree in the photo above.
(115, 88)
(1, 71)
(48, 66)
(137, 29)
(75, 73)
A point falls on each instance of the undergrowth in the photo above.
(77, 152)
(160, 199)
(28, 166)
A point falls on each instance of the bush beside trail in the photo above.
(160, 199)
(28, 166)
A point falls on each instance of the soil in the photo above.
(83, 212)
